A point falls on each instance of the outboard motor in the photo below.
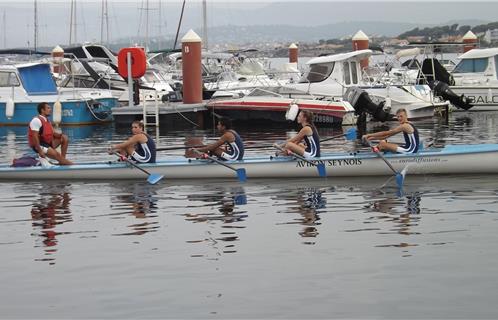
(439, 80)
(443, 90)
(362, 103)
(432, 72)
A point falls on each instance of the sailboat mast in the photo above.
(35, 27)
(160, 28)
(146, 25)
(104, 20)
(102, 23)
(107, 22)
(179, 25)
(204, 25)
(4, 24)
(75, 23)
(72, 23)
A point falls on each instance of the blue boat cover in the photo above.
(37, 79)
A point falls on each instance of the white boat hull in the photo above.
(458, 159)
(484, 98)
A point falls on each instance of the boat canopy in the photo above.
(479, 53)
(37, 79)
(359, 54)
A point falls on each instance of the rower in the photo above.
(307, 142)
(410, 133)
(140, 147)
(42, 138)
(228, 147)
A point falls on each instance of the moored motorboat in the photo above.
(27, 85)
(333, 75)
(452, 159)
(272, 106)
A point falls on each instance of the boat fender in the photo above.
(57, 114)
(9, 108)
(292, 112)
(387, 103)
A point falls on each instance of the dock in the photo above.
(170, 114)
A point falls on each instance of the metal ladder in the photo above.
(150, 111)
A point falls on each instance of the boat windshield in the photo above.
(8, 79)
(150, 76)
(317, 72)
(471, 65)
(496, 66)
(37, 79)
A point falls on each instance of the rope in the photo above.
(93, 113)
(187, 119)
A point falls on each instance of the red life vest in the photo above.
(45, 134)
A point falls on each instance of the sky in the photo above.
(127, 18)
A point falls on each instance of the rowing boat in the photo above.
(451, 159)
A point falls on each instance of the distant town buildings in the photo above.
(491, 35)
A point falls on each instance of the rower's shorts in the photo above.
(227, 156)
(308, 155)
(406, 150)
(136, 157)
(44, 146)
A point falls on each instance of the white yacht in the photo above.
(476, 77)
(332, 75)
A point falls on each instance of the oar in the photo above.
(153, 178)
(350, 134)
(178, 148)
(400, 176)
(320, 166)
(241, 172)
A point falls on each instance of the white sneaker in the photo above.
(45, 163)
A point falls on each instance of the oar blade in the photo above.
(154, 178)
(400, 179)
(241, 174)
(321, 170)
(351, 134)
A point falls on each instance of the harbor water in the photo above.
(291, 248)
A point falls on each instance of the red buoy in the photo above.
(138, 62)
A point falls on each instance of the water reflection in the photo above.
(309, 202)
(74, 133)
(140, 201)
(226, 201)
(403, 213)
(50, 210)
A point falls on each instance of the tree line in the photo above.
(451, 30)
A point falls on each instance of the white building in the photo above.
(491, 35)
